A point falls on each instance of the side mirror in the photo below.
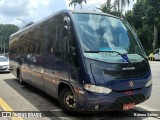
(67, 23)
(65, 31)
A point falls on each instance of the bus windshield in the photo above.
(105, 33)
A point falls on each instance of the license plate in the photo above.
(128, 106)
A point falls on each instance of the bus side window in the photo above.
(73, 57)
(38, 45)
(61, 39)
(61, 43)
(51, 36)
(32, 49)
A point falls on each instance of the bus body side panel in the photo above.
(48, 73)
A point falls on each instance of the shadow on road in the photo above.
(4, 72)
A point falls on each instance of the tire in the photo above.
(20, 79)
(67, 100)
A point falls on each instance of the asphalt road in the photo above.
(26, 98)
(154, 101)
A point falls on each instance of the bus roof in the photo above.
(62, 11)
(92, 12)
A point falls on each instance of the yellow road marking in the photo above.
(5, 107)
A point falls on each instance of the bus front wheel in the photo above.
(67, 100)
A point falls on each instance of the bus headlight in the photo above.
(97, 89)
(149, 83)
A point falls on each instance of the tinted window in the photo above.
(105, 33)
(36, 42)
(3, 59)
(73, 57)
(51, 35)
(61, 42)
(56, 38)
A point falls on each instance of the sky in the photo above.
(12, 11)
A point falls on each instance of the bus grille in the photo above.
(118, 103)
(3, 68)
(126, 74)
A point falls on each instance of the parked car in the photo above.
(4, 64)
(155, 55)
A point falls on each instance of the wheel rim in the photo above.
(69, 101)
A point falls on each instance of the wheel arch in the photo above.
(62, 85)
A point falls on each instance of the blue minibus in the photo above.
(89, 61)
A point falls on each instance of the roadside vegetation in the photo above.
(144, 18)
(5, 31)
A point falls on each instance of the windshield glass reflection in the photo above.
(104, 33)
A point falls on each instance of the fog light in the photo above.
(96, 107)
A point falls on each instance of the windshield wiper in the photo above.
(122, 55)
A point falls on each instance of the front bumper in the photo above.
(4, 69)
(112, 101)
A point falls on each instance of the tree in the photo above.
(106, 7)
(77, 1)
(145, 34)
(120, 5)
(144, 18)
(5, 31)
(152, 17)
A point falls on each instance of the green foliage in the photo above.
(138, 14)
(5, 31)
(77, 1)
(145, 34)
(116, 8)
(106, 7)
(152, 11)
(144, 16)
(120, 5)
(129, 17)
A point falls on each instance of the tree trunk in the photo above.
(74, 6)
(118, 8)
(155, 37)
(81, 6)
(121, 10)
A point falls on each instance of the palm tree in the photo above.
(106, 7)
(77, 1)
(109, 8)
(120, 5)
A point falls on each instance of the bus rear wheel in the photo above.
(67, 100)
